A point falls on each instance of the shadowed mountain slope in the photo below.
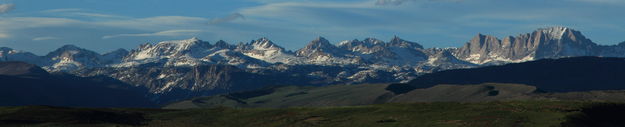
(27, 84)
(557, 75)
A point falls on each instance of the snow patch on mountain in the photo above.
(554, 32)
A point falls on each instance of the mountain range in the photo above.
(175, 70)
(564, 79)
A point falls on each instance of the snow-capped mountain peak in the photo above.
(265, 44)
(320, 42)
(554, 32)
(373, 41)
(347, 42)
(264, 49)
(70, 57)
(181, 45)
(398, 42)
(317, 47)
(172, 53)
(552, 42)
(168, 49)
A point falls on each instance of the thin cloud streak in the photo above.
(229, 18)
(45, 38)
(401, 2)
(62, 10)
(161, 33)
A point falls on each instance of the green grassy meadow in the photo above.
(436, 114)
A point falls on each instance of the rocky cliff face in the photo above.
(551, 42)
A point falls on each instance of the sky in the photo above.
(40, 26)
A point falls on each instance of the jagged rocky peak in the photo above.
(554, 32)
(221, 43)
(318, 46)
(372, 41)
(479, 47)
(350, 45)
(562, 34)
(481, 40)
(552, 42)
(396, 39)
(365, 46)
(265, 44)
(398, 42)
(346, 43)
(485, 48)
(320, 42)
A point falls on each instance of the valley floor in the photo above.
(444, 114)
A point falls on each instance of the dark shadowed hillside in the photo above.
(554, 75)
(27, 84)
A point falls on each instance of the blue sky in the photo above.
(41, 26)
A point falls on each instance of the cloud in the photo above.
(161, 33)
(4, 35)
(400, 2)
(603, 1)
(45, 38)
(62, 10)
(168, 25)
(157, 23)
(4, 8)
(313, 12)
(80, 12)
(392, 2)
(228, 18)
(97, 15)
(14, 23)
